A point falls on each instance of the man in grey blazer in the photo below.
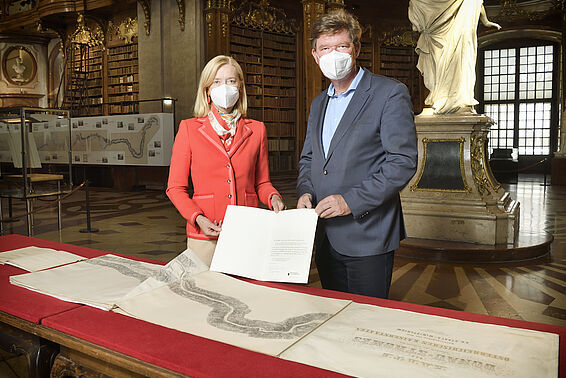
(360, 150)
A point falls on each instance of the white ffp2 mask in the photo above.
(335, 65)
(224, 96)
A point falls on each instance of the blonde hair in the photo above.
(202, 105)
(334, 22)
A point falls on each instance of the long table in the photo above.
(86, 341)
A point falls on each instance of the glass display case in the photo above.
(35, 158)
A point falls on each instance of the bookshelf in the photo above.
(103, 80)
(123, 79)
(268, 60)
(85, 80)
(366, 57)
(398, 59)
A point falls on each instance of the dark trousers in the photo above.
(367, 275)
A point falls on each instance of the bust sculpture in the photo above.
(19, 69)
(447, 49)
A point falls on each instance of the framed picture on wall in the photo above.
(19, 65)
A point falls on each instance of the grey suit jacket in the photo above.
(372, 156)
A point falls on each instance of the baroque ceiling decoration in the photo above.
(261, 15)
(126, 30)
(511, 12)
(83, 35)
(400, 37)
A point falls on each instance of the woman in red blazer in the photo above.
(225, 155)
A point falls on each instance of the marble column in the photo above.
(170, 56)
(312, 11)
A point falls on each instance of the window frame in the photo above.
(517, 44)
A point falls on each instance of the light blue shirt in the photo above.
(337, 105)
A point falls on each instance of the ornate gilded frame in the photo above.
(9, 61)
(461, 141)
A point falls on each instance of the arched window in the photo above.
(518, 86)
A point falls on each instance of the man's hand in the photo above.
(277, 203)
(207, 227)
(332, 206)
(305, 201)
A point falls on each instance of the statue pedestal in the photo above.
(454, 195)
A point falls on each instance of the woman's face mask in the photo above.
(224, 96)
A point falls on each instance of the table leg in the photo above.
(39, 353)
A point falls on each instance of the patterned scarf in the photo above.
(224, 124)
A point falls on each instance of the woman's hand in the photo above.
(277, 203)
(207, 227)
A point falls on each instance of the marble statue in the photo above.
(447, 49)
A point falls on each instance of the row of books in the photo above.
(121, 63)
(281, 162)
(253, 63)
(123, 98)
(123, 71)
(283, 102)
(76, 65)
(280, 130)
(398, 55)
(257, 52)
(236, 30)
(123, 88)
(91, 110)
(288, 92)
(279, 42)
(279, 115)
(243, 40)
(123, 108)
(288, 54)
(94, 51)
(92, 92)
(123, 79)
(278, 62)
(123, 49)
(94, 82)
(281, 145)
(394, 65)
(244, 59)
(123, 56)
(398, 74)
(249, 50)
(94, 101)
(289, 72)
(275, 80)
(271, 91)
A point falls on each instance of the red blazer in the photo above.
(220, 178)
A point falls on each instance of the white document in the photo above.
(33, 258)
(265, 245)
(371, 341)
(226, 309)
(99, 282)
